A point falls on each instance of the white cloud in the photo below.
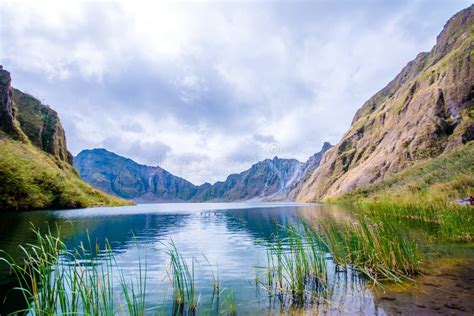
(197, 82)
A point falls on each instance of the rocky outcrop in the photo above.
(425, 111)
(314, 161)
(7, 112)
(41, 125)
(24, 117)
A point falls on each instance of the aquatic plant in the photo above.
(379, 250)
(296, 269)
(229, 303)
(55, 280)
(182, 278)
(444, 221)
(133, 292)
(87, 280)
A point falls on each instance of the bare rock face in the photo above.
(42, 125)
(7, 113)
(24, 117)
(425, 111)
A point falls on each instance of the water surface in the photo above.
(225, 238)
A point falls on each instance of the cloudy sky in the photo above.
(207, 88)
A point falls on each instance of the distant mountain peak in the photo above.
(125, 178)
(326, 145)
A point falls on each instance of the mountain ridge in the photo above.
(425, 111)
(268, 179)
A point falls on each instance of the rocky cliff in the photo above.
(24, 117)
(35, 165)
(427, 110)
(41, 125)
(8, 124)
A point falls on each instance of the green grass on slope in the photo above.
(444, 178)
(31, 179)
(427, 192)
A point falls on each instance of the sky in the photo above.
(205, 89)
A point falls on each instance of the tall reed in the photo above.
(379, 250)
(57, 281)
(229, 303)
(182, 277)
(452, 222)
(296, 269)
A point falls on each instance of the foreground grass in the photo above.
(426, 192)
(379, 250)
(56, 280)
(184, 289)
(87, 280)
(296, 270)
(31, 179)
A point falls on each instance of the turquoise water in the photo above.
(228, 239)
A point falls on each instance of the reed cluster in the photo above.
(58, 281)
(379, 250)
(182, 277)
(296, 270)
(87, 280)
(445, 221)
(229, 304)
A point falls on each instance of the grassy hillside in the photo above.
(32, 179)
(438, 180)
(424, 112)
(427, 192)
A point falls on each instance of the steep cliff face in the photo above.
(23, 117)
(313, 162)
(425, 111)
(35, 166)
(125, 178)
(41, 124)
(8, 123)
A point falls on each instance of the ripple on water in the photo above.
(227, 238)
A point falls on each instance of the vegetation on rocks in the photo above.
(32, 179)
(429, 191)
(36, 169)
(425, 111)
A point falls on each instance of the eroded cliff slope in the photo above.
(427, 110)
(36, 169)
